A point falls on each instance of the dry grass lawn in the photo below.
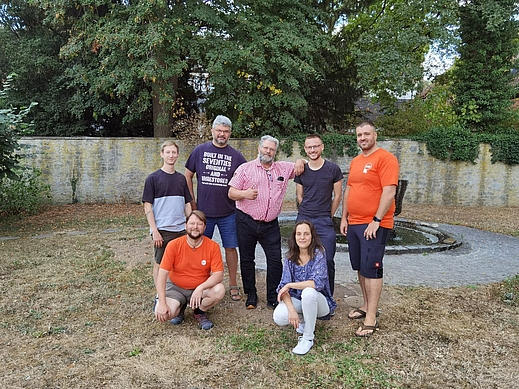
(75, 312)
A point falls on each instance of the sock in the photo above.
(198, 311)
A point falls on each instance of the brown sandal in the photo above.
(360, 314)
(365, 327)
(235, 296)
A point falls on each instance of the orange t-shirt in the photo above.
(368, 175)
(190, 267)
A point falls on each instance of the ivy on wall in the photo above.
(457, 143)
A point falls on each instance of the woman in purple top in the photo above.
(304, 290)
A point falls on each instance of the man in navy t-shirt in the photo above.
(214, 164)
(319, 192)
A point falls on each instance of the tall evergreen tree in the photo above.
(484, 73)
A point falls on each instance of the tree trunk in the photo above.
(162, 110)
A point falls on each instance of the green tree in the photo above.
(261, 60)
(483, 75)
(128, 56)
(393, 38)
(32, 51)
(12, 128)
(277, 66)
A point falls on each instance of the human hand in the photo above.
(299, 167)
(196, 298)
(293, 318)
(371, 230)
(162, 312)
(251, 193)
(157, 238)
(344, 226)
(282, 292)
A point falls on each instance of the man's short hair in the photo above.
(367, 123)
(168, 143)
(269, 138)
(314, 136)
(199, 214)
(222, 121)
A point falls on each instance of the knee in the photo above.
(309, 293)
(280, 316)
(219, 291)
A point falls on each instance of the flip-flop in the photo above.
(235, 296)
(361, 314)
(364, 327)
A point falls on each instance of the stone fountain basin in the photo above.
(434, 239)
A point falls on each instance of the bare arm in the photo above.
(189, 178)
(188, 208)
(299, 193)
(155, 234)
(337, 196)
(344, 217)
(162, 312)
(388, 194)
(299, 166)
(246, 194)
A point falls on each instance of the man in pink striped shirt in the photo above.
(259, 187)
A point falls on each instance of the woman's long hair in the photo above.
(293, 248)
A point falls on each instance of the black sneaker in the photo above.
(272, 305)
(180, 318)
(252, 301)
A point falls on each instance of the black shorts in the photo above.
(366, 255)
(168, 236)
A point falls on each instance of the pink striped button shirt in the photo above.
(271, 185)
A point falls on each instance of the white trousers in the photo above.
(312, 305)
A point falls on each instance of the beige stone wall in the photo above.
(114, 169)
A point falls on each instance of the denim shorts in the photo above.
(226, 226)
(366, 255)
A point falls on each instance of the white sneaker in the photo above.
(303, 346)
(301, 328)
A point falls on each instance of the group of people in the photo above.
(244, 199)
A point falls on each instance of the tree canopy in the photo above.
(129, 67)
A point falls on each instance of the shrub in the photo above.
(455, 143)
(24, 194)
(431, 108)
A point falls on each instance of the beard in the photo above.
(266, 159)
(194, 234)
(220, 141)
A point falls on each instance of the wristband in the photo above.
(376, 219)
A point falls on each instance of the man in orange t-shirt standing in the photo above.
(191, 272)
(367, 219)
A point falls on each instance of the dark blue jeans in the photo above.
(250, 232)
(326, 231)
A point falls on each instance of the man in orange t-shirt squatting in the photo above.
(367, 219)
(191, 272)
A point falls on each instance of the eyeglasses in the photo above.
(313, 147)
(269, 175)
(272, 150)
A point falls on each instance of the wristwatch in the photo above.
(376, 219)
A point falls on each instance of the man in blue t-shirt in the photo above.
(214, 164)
(167, 202)
(319, 192)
